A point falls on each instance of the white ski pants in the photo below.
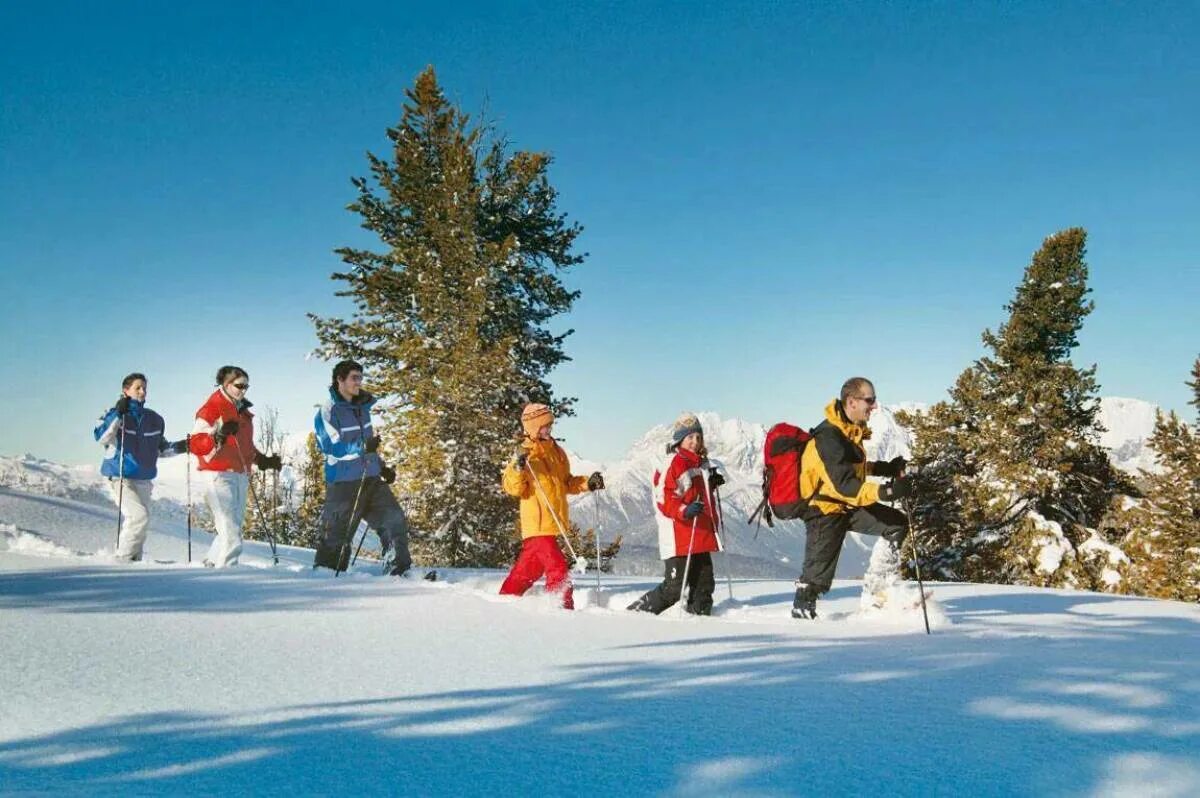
(134, 501)
(227, 501)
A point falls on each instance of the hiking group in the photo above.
(820, 477)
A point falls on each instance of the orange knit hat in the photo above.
(534, 417)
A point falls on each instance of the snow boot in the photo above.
(328, 557)
(804, 605)
(395, 566)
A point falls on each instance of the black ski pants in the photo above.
(376, 505)
(701, 584)
(826, 533)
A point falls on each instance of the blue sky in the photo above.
(775, 196)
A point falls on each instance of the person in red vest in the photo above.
(223, 442)
(687, 523)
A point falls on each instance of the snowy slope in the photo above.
(150, 679)
(168, 680)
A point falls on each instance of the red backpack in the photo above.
(781, 474)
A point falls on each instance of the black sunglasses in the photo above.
(868, 399)
(241, 386)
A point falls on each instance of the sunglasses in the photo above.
(241, 386)
(868, 399)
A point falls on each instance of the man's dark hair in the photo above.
(130, 379)
(227, 373)
(853, 386)
(342, 370)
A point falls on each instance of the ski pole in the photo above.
(188, 471)
(719, 523)
(120, 479)
(917, 564)
(596, 532)
(275, 503)
(687, 564)
(348, 538)
(361, 540)
(542, 495)
(917, 568)
(262, 520)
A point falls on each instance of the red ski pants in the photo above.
(540, 555)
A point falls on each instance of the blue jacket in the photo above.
(142, 438)
(342, 429)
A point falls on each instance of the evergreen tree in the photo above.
(1010, 468)
(312, 495)
(1164, 537)
(584, 544)
(450, 315)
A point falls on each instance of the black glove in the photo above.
(715, 480)
(692, 510)
(268, 462)
(180, 446)
(227, 430)
(521, 459)
(122, 405)
(596, 481)
(892, 468)
(372, 445)
(898, 488)
(387, 473)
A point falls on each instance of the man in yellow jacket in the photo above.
(540, 476)
(833, 480)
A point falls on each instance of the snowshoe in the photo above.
(804, 605)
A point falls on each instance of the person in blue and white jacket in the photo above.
(356, 479)
(134, 437)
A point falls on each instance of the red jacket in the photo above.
(684, 483)
(238, 452)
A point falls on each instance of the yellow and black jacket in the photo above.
(834, 468)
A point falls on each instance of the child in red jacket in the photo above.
(687, 523)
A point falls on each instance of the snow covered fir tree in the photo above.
(451, 315)
(1164, 523)
(1012, 483)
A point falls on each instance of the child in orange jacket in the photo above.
(540, 476)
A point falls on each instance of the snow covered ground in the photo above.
(165, 679)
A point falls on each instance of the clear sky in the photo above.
(776, 196)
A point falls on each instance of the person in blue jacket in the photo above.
(356, 479)
(134, 437)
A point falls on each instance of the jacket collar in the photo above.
(691, 458)
(239, 407)
(836, 416)
(537, 444)
(136, 409)
(364, 400)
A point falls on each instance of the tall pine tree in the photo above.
(451, 315)
(1011, 473)
(1164, 536)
